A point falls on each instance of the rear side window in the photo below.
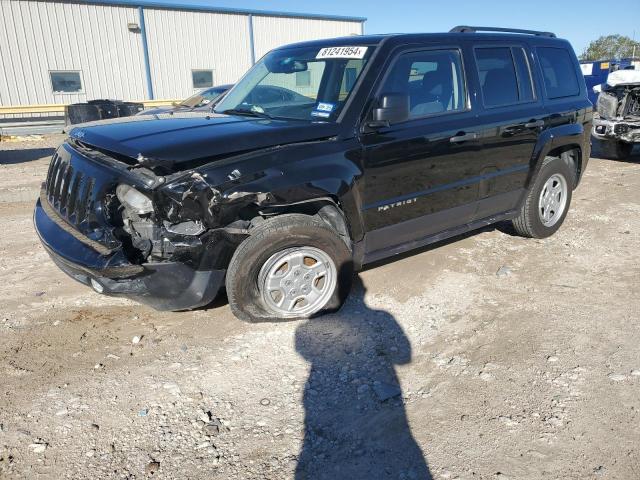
(432, 79)
(558, 71)
(505, 76)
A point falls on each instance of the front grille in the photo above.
(79, 193)
(70, 192)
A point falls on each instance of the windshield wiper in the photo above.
(249, 113)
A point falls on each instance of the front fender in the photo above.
(335, 177)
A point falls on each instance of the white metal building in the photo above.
(68, 51)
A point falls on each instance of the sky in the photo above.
(577, 21)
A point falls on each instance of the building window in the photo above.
(66, 82)
(303, 79)
(202, 78)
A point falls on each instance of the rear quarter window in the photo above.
(558, 72)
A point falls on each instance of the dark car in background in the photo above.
(201, 100)
(326, 156)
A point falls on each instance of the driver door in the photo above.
(421, 174)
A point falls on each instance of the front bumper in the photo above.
(163, 286)
(623, 130)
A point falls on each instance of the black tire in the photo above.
(274, 235)
(615, 150)
(528, 223)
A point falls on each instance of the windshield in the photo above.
(204, 97)
(298, 83)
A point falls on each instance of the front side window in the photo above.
(558, 71)
(432, 79)
(202, 78)
(298, 83)
(66, 82)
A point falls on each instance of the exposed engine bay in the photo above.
(619, 102)
(176, 223)
(619, 107)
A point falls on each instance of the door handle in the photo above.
(534, 124)
(463, 137)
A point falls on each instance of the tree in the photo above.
(610, 46)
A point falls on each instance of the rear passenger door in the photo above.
(513, 115)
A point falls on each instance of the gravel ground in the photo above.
(490, 356)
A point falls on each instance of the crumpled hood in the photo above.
(623, 77)
(188, 137)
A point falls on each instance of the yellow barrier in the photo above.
(59, 108)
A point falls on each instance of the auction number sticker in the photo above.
(342, 52)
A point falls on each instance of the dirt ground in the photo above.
(488, 357)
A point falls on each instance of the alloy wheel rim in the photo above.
(553, 200)
(297, 281)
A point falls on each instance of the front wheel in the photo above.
(547, 203)
(292, 266)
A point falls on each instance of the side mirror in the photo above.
(394, 108)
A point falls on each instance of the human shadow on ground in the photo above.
(355, 421)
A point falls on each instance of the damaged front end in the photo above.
(126, 229)
(619, 109)
(187, 221)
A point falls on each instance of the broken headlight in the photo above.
(133, 200)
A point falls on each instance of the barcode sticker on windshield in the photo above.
(342, 52)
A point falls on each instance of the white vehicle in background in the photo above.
(618, 125)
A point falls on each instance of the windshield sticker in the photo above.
(342, 52)
(325, 107)
(317, 113)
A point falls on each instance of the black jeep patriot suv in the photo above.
(325, 156)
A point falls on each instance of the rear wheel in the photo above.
(547, 203)
(615, 149)
(292, 266)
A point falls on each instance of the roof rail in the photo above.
(468, 29)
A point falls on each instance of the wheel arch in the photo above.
(569, 142)
(571, 154)
(328, 208)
